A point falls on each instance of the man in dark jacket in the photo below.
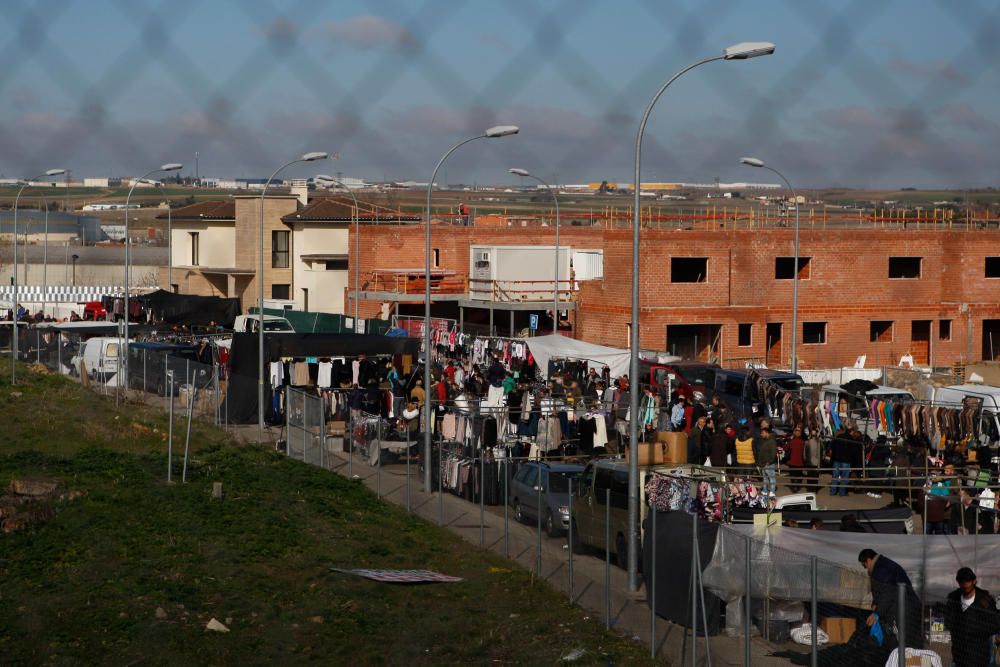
(972, 618)
(845, 450)
(722, 446)
(765, 453)
(696, 448)
(885, 576)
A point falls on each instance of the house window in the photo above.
(195, 249)
(784, 268)
(437, 258)
(944, 329)
(688, 269)
(745, 335)
(993, 267)
(335, 264)
(280, 291)
(880, 331)
(279, 249)
(904, 267)
(813, 333)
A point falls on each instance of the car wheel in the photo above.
(551, 527)
(621, 551)
(518, 513)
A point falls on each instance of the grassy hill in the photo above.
(129, 570)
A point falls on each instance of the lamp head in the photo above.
(752, 161)
(519, 172)
(312, 157)
(502, 131)
(55, 172)
(172, 166)
(746, 50)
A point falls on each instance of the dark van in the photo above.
(740, 394)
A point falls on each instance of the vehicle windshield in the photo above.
(277, 325)
(789, 384)
(699, 376)
(559, 481)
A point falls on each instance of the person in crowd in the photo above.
(648, 408)
(590, 383)
(938, 502)
(796, 459)
(971, 616)
(606, 375)
(813, 457)
(417, 394)
(844, 451)
(409, 420)
(885, 575)
(722, 447)
(696, 438)
(718, 410)
(475, 385)
(459, 378)
(508, 384)
(765, 452)
(745, 450)
(356, 401)
(397, 387)
(849, 524)
(677, 414)
(816, 524)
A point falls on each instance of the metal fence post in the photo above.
(607, 558)
(378, 453)
(305, 425)
(407, 468)
(322, 434)
(652, 583)
(187, 440)
(440, 480)
(538, 516)
(901, 623)
(482, 494)
(350, 445)
(506, 510)
(813, 611)
(144, 385)
(748, 585)
(569, 547)
(170, 425)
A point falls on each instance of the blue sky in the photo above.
(858, 94)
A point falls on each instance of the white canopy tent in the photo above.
(544, 348)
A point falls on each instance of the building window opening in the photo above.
(904, 267)
(993, 267)
(688, 269)
(784, 268)
(745, 335)
(944, 330)
(880, 331)
(813, 333)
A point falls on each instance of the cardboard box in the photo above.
(675, 447)
(650, 453)
(838, 629)
(336, 427)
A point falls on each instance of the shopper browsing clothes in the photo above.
(886, 574)
(972, 618)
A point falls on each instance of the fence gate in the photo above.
(305, 427)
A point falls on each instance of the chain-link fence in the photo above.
(305, 432)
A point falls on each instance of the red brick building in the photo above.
(727, 294)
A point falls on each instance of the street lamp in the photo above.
(308, 157)
(357, 241)
(741, 51)
(754, 162)
(492, 133)
(123, 363)
(555, 284)
(14, 346)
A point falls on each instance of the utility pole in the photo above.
(197, 179)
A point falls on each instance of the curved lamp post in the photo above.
(308, 157)
(14, 343)
(754, 162)
(741, 51)
(492, 133)
(123, 354)
(555, 284)
(357, 242)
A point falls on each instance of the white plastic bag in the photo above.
(803, 635)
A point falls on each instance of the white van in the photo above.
(272, 324)
(858, 404)
(981, 395)
(100, 355)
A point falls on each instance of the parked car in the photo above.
(272, 324)
(100, 356)
(693, 379)
(553, 478)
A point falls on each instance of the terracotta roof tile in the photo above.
(341, 208)
(223, 209)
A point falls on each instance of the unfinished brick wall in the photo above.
(847, 287)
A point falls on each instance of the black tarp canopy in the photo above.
(241, 394)
(189, 309)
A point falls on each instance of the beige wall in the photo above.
(326, 288)
(216, 241)
(248, 238)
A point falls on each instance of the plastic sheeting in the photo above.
(780, 563)
(544, 348)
